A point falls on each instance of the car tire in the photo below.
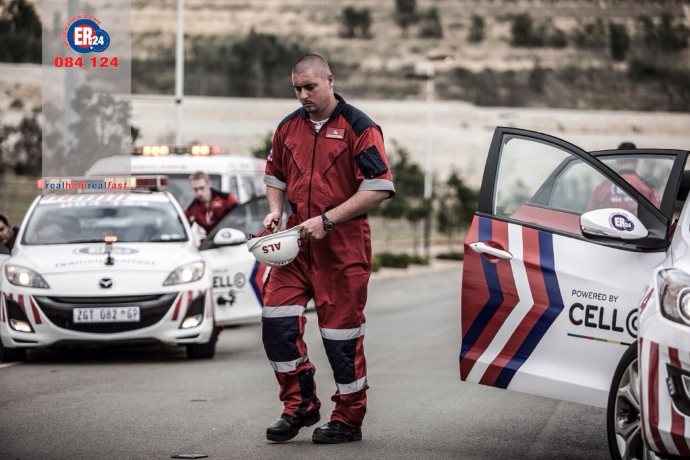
(201, 350)
(12, 355)
(623, 426)
(204, 350)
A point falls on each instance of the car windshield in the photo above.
(178, 186)
(130, 220)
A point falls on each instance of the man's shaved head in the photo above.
(312, 62)
(312, 81)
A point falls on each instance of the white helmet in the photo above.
(276, 249)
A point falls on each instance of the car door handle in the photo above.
(483, 248)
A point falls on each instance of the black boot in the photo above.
(287, 426)
(335, 433)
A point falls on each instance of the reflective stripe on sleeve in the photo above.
(282, 312)
(383, 185)
(354, 387)
(273, 181)
(342, 334)
(288, 366)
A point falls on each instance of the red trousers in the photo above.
(340, 293)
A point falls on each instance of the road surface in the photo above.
(153, 403)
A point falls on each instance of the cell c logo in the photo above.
(631, 323)
(239, 280)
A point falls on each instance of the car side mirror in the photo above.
(612, 223)
(229, 237)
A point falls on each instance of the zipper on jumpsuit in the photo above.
(311, 176)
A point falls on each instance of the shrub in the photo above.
(619, 41)
(537, 77)
(672, 37)
(476, 33)
(451, 255)
(20, 32)
(405, 13)
(591, 35)
(393, 260)
(355, 22)
(264, 147)
(419, 260)
(430, 24)
(375, 263)
(521, 31)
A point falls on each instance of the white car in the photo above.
(106, 267)
(564, 250)
(238, 277)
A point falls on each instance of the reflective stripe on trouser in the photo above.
(340, 297)
(282, 330)
(345, 351)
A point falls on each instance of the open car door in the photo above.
(548, 308)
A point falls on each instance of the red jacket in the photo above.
(320, 171)
(609, 195)
(207, 216)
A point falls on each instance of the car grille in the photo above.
(59, 311)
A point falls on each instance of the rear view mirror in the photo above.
(229, 237)
(612, 223)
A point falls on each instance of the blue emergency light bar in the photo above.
(102, 184)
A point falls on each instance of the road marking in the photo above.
(7, 365)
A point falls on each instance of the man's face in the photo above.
(201, 189)
(314, 91)
(5, 233)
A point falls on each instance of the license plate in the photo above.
(106, 315)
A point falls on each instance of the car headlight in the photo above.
(21, 276)
(186, 274)
(674, 295)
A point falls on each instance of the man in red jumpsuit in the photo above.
(609, 195)
(329, 162)
(209, 205)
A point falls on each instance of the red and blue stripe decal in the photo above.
(256, 279)
(483, 315)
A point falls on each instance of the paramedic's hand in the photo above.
(272, 221)
(312, 229)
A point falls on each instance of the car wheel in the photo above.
(11, 355)
(623, 412)
(201, 350)
(204, 350)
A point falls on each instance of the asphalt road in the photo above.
(154, 403)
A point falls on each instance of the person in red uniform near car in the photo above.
(328, 161)
(609, 195)
(209, 205)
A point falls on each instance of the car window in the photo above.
(536, 177)
(79, 222)
(253, 185)
(178, 186)
(247, 217)
(535, 173)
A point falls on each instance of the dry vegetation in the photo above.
(491, 71)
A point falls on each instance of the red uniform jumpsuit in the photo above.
(319, 171)
(609, 195)
(208, 215)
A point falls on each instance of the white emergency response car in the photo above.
(237, 276)
(576, 285)
(105, 266)
(239, 175)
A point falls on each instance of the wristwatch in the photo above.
(328, 225)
